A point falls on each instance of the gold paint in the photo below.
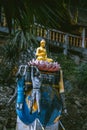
(28, 83)
(61, 84)
(57, 119)
(41, 53)
(35, 107)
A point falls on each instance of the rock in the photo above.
(78, 103)
(77, 60)
(1, 127)
(84, 126)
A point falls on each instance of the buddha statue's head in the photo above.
(42, 43)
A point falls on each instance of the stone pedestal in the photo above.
(36, 125)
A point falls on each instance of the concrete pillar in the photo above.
(48, 41)
(0, 14)
(66, 45)
(83, 38)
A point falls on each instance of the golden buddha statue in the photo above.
(41, 53)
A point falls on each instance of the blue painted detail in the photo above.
(25, 115)
(50, 105)
(20, 90)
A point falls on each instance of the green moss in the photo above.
(68, 66)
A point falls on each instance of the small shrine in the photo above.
(40, 91)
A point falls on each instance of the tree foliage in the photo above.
(68, 66)
(81, 77)
(47, 12)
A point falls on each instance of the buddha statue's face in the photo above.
(42, 43)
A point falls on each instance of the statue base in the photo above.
(36, 125)
(45, 66)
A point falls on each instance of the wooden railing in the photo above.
(53, 35)
(75, 41)
(57, 36)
